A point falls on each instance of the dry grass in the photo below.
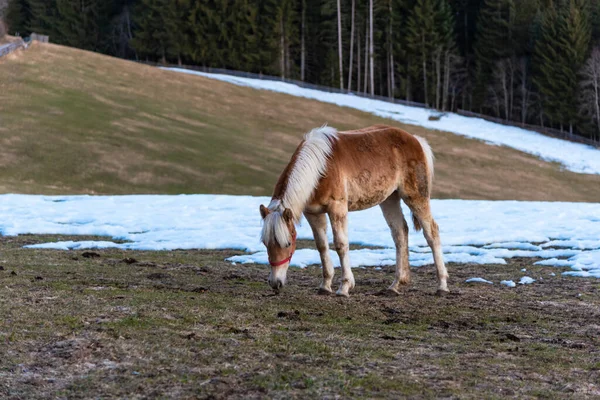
(79, 122)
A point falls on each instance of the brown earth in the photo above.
(186, 324)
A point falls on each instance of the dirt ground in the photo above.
(187, 324)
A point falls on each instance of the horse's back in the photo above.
(369, 164)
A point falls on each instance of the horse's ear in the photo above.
(288, 216)
(264, 211)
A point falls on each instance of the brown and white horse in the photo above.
(335, 172)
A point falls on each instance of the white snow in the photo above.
(508, 283)
(479, 280)
(573, 156)
(471, 231)
(526, 280)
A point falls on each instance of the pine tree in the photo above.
(44, 17)
(493, 42)
(81, 23)
(420, 41)
(151, 38)
(575, 42)
(560, 53)
(17, 17)
(430, 40)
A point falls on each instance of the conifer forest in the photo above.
(526, 61)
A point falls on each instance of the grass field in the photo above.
(78, 122)
(186, 324)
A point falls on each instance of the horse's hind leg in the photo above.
(395, 220)
(422, 211)
(339, 224)
(318, 223)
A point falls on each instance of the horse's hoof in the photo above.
(393, 291)
(342, 294)
(324, 292)
(442, 293)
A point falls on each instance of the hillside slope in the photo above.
(77, 122)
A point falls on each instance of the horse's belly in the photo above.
(368, 190)
(367, 199)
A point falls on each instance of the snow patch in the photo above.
(573, 156)
(476, 232)
(526, 280)
(479, 280)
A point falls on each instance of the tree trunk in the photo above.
(350, 64)
(596, 100)
(524, 91)
(371, 55)
(358, 69)
(392, 69)
(341, 61)
(446, 80)
(303, 44)
(366, 83)
(282, 45)
(511, 90)
(438, 77)
(505, 88)
(425, 79)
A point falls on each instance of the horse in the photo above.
(332, 173)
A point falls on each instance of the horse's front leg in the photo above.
(339, 225)
(318, 223)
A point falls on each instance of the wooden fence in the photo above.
(40, 38)
(555, 133)
(305, 85)
(7, 49)
(536, 128)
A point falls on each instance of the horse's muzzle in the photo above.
(276, 283)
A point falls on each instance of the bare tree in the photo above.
(524, 92)
(371, 53)
(302, 43)
(392, 81)
(457, 80)
(589, 104)
(341, 61)
(358, 67)
(366, 82)
(503, 78)
(437, 62)
(350, 64)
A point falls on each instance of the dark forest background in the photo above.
(529, 61)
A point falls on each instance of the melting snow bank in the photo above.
(575, 157)
(482, 232)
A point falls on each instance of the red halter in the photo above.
(293, 245)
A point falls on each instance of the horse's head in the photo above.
(279, 236)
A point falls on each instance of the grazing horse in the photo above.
(335, 172)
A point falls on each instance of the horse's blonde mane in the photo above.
(310, 166)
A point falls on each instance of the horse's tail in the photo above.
(416, 223)
(429, 162)
(428, 157)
